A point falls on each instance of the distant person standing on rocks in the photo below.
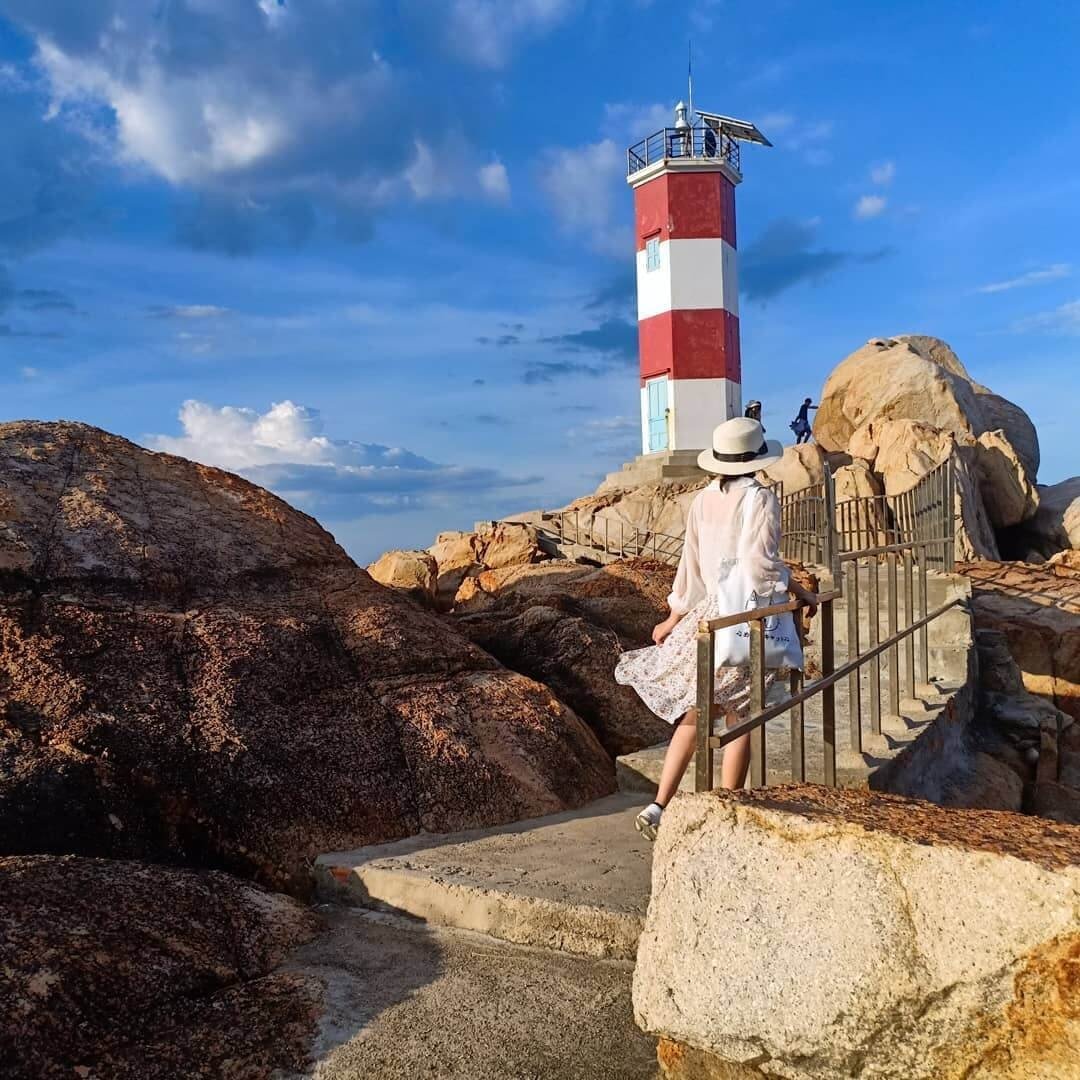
(730, 562)
(801, 424)
(753, 412)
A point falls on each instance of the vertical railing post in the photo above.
(798, 714)
(828, 695)
(893, 626)
(873, 615)
(703, 763)
(909, 616)
(924, 610)
(757, 701)
(832, 546)
(851, 599)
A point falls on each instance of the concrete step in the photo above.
(576, 882)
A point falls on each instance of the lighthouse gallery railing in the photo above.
(671, 144)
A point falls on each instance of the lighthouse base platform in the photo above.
(667, 467)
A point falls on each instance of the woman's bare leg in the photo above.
(736, 759)
(679, 752)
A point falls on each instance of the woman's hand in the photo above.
(808, 598)
(661, 630)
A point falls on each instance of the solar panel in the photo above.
(734, 129)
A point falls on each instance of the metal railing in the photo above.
(673, 143)
(906, 626)
(607, 539)
(815, 529)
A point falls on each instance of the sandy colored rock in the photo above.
(864, 523)
(888, 379)
(508, 544)
(1001, 414)
(1038, 611)
(138, 972)
(414, 572)
(1057, 524)
(1008, 493)
(802, 466)
(193, 671)
(955, 955)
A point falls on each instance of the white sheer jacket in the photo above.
(715, 536)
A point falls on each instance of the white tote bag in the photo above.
(736, 592)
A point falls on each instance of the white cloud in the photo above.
(495, 181)
(883, 173)
(486, 31)
(285, 450)
(632, 122)
(1061, 320)
(869, 206)
(191, 311)
(776, 122)
(29, 372)
(1032, 277)
(581, 185)
(808, 138)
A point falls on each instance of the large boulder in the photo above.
(128, 971)
(1008, 491)
(413, 572)
(888, 379)
(948, 946)
(802, 466)
(191, 670)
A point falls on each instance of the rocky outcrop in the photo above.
(948, 947)
(565, 625)
(802, 466)
(1056, 526)
(888, 379)
(1038, 611)
(1008, 491)
(134, 972)
(494, 546)
(192, 671)
(415, 573)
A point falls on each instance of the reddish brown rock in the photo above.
(128, 971)
(191, 670)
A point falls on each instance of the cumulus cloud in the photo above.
(285, 450)
(1032, 277)
(189, 311)
(257, 112)
(581, 186)
(869, 206)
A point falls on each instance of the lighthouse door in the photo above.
(658, 414)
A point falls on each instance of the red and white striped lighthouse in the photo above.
(684, 181)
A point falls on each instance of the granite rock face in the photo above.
(123, 970)
(1037, 609)
(949, 946)
(192, 671)
(413, 572)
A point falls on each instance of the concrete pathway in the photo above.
(575, 882)
(407, 1001)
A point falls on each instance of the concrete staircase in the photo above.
(646, 469)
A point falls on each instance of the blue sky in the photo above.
(377, 256)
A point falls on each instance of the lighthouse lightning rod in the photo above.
(690, 75)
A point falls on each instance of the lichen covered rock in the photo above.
(193, 671)
(948, 947)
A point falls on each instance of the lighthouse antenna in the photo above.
(690, 75)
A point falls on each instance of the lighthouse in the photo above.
(684, 179)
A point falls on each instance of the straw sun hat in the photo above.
(739, 448)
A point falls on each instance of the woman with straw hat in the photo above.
(733, 528)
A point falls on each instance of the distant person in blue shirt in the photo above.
(801, 424)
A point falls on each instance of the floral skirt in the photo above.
(665, 676)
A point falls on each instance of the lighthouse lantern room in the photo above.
(684, 180)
